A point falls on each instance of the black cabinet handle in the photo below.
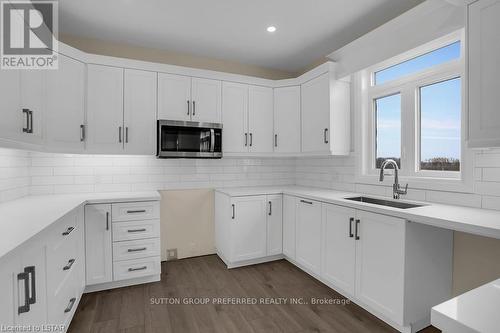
(306, 202)
(232, 206)
(119, 134)
(26, 306)
(351, 235)
(136, 230)
(136, 211)
(137, 269)
(188, 107)
(356, 231)
(137, 250)
(276, 140)
(251, 139)
(126, 134)
(246, 139)
(194, 108)
(107, 220)
(270, 208)
(70, 305)
(30, 270)
(68, 231)
(82, 133)
(326, 135)
(70, 263)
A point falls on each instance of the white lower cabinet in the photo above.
(122, 243)
(339, 256)
(248, 229)
(308, 235)
(289, 217)
(98, 244)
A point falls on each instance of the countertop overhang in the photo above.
(24, 218)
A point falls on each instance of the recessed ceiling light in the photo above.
(271, 28)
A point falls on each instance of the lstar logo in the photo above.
(29, 34)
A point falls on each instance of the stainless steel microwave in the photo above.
(189, 139)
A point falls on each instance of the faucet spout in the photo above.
(396, 188)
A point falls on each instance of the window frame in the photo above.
(409, 88)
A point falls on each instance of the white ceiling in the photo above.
(235, 30)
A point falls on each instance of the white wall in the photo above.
(14, 174)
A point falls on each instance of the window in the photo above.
(428, 60)
(440, 108)
(413, 110)
(388, 129)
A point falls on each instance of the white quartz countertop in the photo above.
(23, 218)
(474, 311)
(483, 222)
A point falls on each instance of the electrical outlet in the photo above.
(171, 254)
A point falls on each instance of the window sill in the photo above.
(420, 183)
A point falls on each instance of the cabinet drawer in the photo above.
(61, 262)
(135, 268)
(63, 304)
(133, 211)
(136, 230)
(136, 249)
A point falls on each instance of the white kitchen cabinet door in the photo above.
(234, 117)
(483, 73)
(98, 244)
(260, 119)
(380, 255)
(248, 228)
(140, 112)
(174, 97)
(65, 106)
(32, 260)
(316, 115)
(13, 120)
(274, 224)
(9, 268)
(339, 247)
(287, 119)
(308, 233)
(206, 100)
(289, 218)
(32, 98)
(104, 109)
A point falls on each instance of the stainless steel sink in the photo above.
(382, 202)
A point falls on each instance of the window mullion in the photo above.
(408, 130)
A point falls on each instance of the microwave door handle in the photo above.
(212, 140)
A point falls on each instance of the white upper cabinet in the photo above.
(325, 116)
(247, 116)
(105, 109)
(234, 117)
(260, 119)
(174, 97)
(139, 112)
(287, 119)
(13, 120)
(65, 100)
(32, 103)
(188, 99)
(483, 73)
(206, 100)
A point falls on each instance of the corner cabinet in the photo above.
(248, 229)
(483, 52)
(308, 235)
(247, 116)
(325, 116)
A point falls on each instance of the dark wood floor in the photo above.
(130, 310)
